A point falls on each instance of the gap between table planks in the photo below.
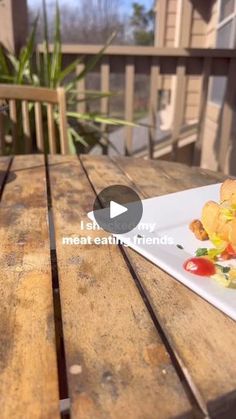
(28, 371)
(201, 337)
(116, 361)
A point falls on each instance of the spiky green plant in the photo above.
(47, 71)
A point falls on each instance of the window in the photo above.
(226, 31)
(226, 9)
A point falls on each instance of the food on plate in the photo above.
(197, 228)
(200, 266)
(218, 224)
(218, 220)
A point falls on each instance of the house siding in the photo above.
(172, 37)
(210, 134)
(203, 33)
(198, 32)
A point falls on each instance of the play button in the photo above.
(118, 209)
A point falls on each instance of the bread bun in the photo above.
(218, 219)
(228, 188)
(210, 215)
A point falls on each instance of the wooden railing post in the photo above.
(129, 102)
(202, 110)
(26, 126)
(153, 104)
(13, 118)
(39, 126)
(81, 105)
(63, 120)
(105, 87)
(179, 102)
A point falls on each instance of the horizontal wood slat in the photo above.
(28, 93)
(145, 51)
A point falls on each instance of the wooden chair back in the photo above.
(36, 97)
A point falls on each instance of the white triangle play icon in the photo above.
(116, 209)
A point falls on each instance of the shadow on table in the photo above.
(6, 177)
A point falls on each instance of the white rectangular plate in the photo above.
(172, 215)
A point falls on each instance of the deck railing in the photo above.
(156, 62)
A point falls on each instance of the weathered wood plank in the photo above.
(129, 103)
(117, 363)
(199, 333)
(28, 371)
(26, 125)
(153, 104)
(39, 126)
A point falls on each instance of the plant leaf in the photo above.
(91, 63)
(4, 69)
(68, 70)
(56, 55)
(26, 54)
(101, 119)
(46, 54)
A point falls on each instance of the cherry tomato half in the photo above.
(230, 250)
(200, 266)
(224, 255)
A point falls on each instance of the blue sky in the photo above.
(126, 4)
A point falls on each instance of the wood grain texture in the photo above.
(13, 118)
(26, 125)
(51, 129)
(129, 103)
(39, 127)
(28, 372)
(200, 335)
(117, 364)
(153, 103)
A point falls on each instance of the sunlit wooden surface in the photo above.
(99, 331)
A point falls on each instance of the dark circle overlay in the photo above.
(122, 195)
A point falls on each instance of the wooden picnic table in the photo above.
(100, 331)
